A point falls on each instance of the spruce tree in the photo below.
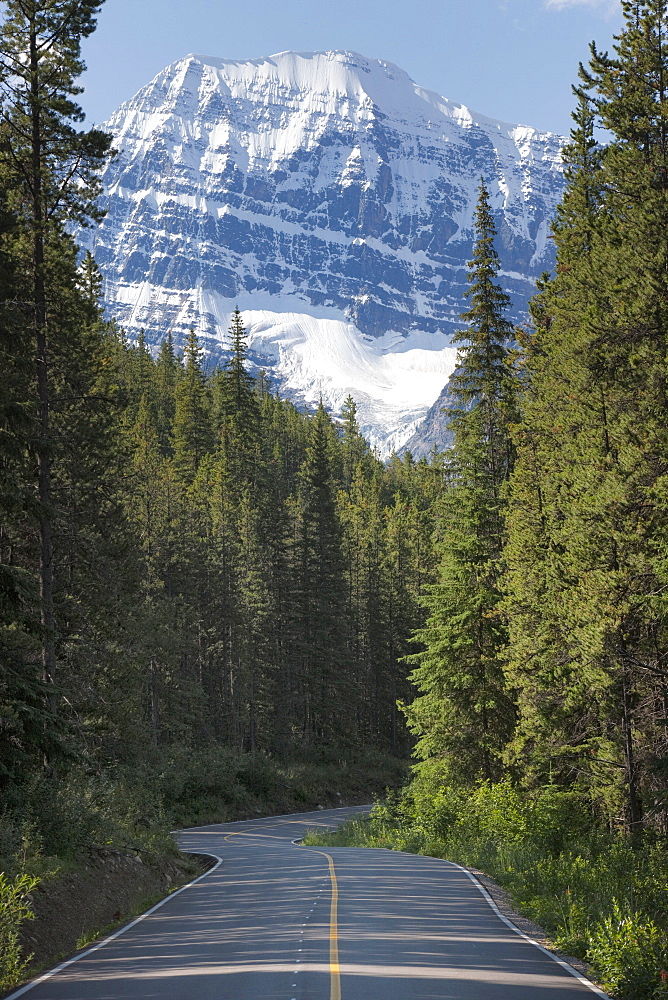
(587, 494)
(236, 406)
(192, 434)
(237, 397)
(53, 176)
(361, 512)
(90, 279)
(355, 448)
(29, 730)
(167, 374)
(321, 634)
(463, 713)
(407, 567)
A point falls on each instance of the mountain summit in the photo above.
(331, 198)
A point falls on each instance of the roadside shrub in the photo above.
(63, 813)
(596, 895)
(210, 784)
(14, 909)
(630, 954)
(10, 840)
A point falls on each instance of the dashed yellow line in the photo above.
(334, 966)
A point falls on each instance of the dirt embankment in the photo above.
(108, 888)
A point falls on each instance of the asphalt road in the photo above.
(275, 921)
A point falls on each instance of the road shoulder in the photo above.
(504, 902)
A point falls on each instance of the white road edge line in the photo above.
(111, 937)
(480, 887)
(546, 951)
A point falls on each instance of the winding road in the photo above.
(277, 921)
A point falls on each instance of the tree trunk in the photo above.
(633, 799)
(46, 567)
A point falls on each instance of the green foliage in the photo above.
(56, 824)
(234, 386)
(40, 53)
(463, 712)
(587, 515)
(207, 597)
(630, 954)
(47, 179)
(214, 783)
(14, 910)
(191, 627)
(597, 896)
(192, 436)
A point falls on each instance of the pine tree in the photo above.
(167, 374)
(237, 397)
(407, 568)
(464, 713)
(90, 280)
(587, 495)
(141, 374)
(29, 729)
(192, 434)
(361, 512)
(482, 384)
(321, 637)
(53, 175)
(236, 406)
(252, 646)
(556, 710)
(355, 448)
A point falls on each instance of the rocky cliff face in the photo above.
(330, 197)
(432, 432)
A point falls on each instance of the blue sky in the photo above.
(509, 59)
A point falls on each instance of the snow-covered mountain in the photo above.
(331, 198)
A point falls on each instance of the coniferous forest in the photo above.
(197, 580)
(211, 602)
(541, 671)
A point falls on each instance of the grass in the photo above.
(598, 897)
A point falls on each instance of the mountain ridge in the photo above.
(328, 187)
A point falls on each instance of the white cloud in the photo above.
(607, 6)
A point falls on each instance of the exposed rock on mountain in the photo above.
(332, 198)
(433, 431)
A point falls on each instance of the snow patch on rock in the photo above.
(332, 198)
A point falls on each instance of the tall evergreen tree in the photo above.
(53, 179)
(354, 447)
(463, 712)
(167, 374)
(587, 495)
(237, 396)
(236, 406)
(90, 279)
(28, 729)
(321, 635)
(192, 433)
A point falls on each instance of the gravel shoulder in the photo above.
(504, 901)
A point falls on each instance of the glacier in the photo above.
(331, 198)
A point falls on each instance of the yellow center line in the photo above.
(249, 833)
(334, 966)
